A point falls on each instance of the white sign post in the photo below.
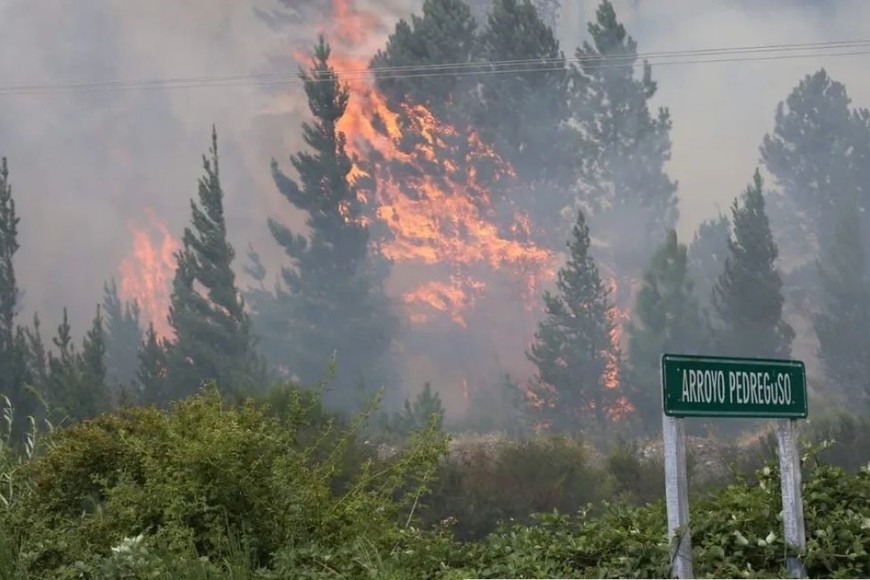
(677, 492)
(792, 506)
(694, 386)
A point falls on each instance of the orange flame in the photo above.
(146, 275)
(436, 206)
(621, 407)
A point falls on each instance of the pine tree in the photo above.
(334, 300)
(16, 380)
(267, 317)
(444, 33)
(92, 362)
(747, 297)
(666, 319)
(75, 386)
(13, 355)
(523, 113)
(707, 254)
(549, 11)
(417, 415)
(811, 154)
(212, 331)
(572, 347)
(152, 377)
(623, 146)
(123, 337)
(843, 325)
(8, 247)
(37, 354)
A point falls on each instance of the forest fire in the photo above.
(146, 275)
(435, 202)
(440, 216)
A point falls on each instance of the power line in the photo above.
(586, 62)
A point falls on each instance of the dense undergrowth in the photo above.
(280, 489)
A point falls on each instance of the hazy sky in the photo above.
(85, 164)
(721, 111)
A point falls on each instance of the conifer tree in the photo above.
(334, 300)
(623, 146)
(93, 357)
(75, 385)
(212, 331)
(572, 346)
(549, 11)
(152, 377)
(747, 297)
(443, 33)
(8, 285)
(523, 113)
(267, 317)
(707, 254)
(811, 155)
(666, 319)
(37, 354)
(14, 356)
(843, 325)
(17, 377)
(123, 337)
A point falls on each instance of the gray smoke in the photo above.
(85, 163)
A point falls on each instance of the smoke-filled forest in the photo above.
(392, 301)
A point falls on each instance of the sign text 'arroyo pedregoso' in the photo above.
(702, 386)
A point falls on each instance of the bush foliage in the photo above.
(278, 489)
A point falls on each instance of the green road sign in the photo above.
(705, 386)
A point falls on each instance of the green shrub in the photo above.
(212, 490)
(186, 478)
(637, 479)
(850, 437)
(513, 480)
(736, 533)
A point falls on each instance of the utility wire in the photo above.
(585, 62)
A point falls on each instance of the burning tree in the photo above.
(445, 32)
(573, 351)
(146, 275)
(334, 300)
